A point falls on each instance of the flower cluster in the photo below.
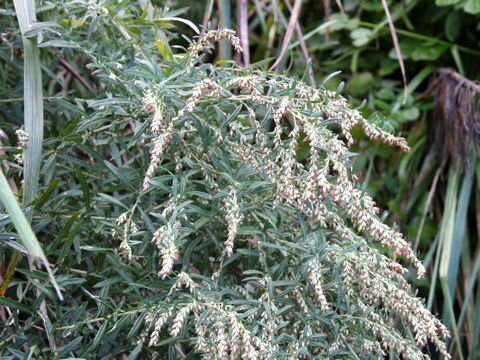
(22, 137)
(129, 228)
(165, 238)
(250, 86)
(155, 106)
(158, 323)
(314, 270)
(254, 305)
(163, 133)
(203, 88)
(183, 280)
(377, 285)
(205, 41)
(222, 334)
(234, 218)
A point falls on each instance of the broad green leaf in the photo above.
(472, 7)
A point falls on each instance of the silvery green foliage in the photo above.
(268, 253)
(214, 213)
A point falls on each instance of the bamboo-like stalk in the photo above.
(224, 8)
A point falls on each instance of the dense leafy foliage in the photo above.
(195, 209)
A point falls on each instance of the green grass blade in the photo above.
(448, 222)
(459, 228)
(451, 315)
(12, 265)
(476, 327)
(471, 285)
(33, 111)
(33, 101)
(446, 239)
(22, 225)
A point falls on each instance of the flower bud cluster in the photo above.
(159, 323)
(314, 271)
(155, 106)
(250, 86)
(163, 133)
(165, 238)
(183, 279)
(388, 337)
(205, 41)
(277, 117)
(221, 335)
(180, 319)
(203, 88)
(156, 154)
(129, 227)
(22, 137)
(234, 218)
(374, 276)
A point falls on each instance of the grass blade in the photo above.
(33, 103)
(459, 229)
(12, 265)
(446, 239)
(22, 225)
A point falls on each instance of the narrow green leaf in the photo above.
(112, 200)
(12, 265)
(136, 325)
(68, 242)
(110, 101)
(84, 186)
(99, 335)
(47, 325)
(46, 195)
(12, 304)
(118, 173)
(63, 233)
(134, 354)
(72, 345)
(185, 21)
(59, 43)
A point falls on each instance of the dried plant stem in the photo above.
(397, 49)
(288, 33)
(427, 206)
(243, 20)
(303, 47)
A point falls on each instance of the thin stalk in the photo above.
(413, 35)
(224, 8)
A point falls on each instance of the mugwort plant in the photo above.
(269, 252)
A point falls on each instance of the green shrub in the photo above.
(210, 210)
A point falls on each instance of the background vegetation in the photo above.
(431, 192)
